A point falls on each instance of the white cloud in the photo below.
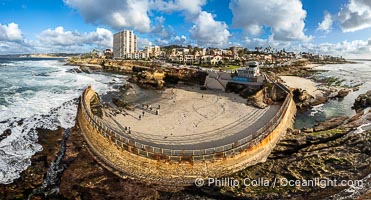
(161, 30)
(144, 42)
(193, 7)
(180, 40)
(208, 32)
(117, 14)
(12, 41)
(326, 24)
(61, 38)
(162, 42)
(356, 15)
(10, 32)
(347, 49)
(284, 17)
(8, 47)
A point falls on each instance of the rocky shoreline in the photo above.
(326, 88)
(337, 153)
(334, 149)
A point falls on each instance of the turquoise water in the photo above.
(40, 93)
(353, 74)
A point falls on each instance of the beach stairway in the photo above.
(214, 81)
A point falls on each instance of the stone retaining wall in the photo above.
(126, 157)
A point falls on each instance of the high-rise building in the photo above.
(124, 43)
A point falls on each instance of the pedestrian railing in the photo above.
(122, 141)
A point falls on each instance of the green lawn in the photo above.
(229, 67)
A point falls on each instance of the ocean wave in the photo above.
(316, 109)
(39, 103)
(17, 149)
(363, 128)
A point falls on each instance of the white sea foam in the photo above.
(316, 109)
(48, 104)
(363, 127)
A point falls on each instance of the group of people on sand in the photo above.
(149, 107)
(127, 129)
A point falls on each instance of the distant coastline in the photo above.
(47, 55)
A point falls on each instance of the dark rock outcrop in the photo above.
(335, 154)
(266, 96)
(257, 100)
(34, 175)
(84, 178)
(342, 93)
(149, 79)
(331, 123)
(302, 99)
(96, 106)
(5, 134)
(362, 101)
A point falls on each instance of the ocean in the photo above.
(352, 75)
(38, 93)
(41, 93)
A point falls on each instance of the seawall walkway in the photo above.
(126, 157)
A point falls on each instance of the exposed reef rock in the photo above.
(84, 178)
(96, 106)
(121, 103)
(244, 91)
(362, 101)
(335, 154)
(34, 175)
(302, 99)
(338, 153)
(342, 93)
(149, 80)
(331, 123)
(266, 96)
(5, 134)
(257, 100)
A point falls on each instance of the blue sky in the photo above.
(336, 27)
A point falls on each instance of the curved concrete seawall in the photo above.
(126, 157)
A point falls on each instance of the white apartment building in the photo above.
(124, 43)
(153, 51)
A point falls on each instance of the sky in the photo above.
(333, 27)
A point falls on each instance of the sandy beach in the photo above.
(302, 83)
(187, 116)
(311, 66)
